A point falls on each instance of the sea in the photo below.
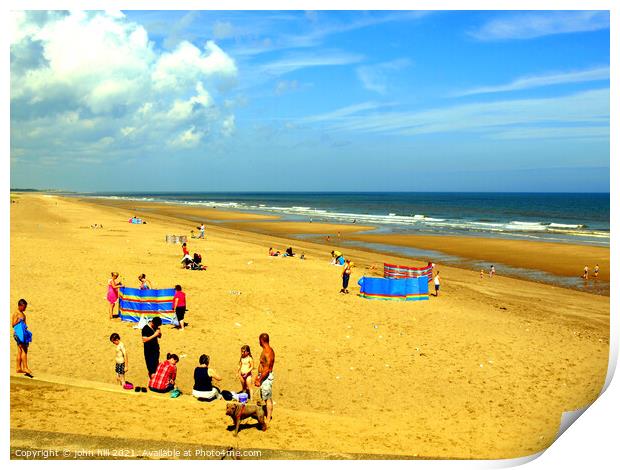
(576, 218)
(559, 217)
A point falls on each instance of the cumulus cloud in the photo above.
(87, 81)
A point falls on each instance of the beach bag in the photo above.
(227, 395)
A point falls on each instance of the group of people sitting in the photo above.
(287, 252)
(162, 375)
(189, 262)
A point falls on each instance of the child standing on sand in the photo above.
(437, 282)
(113, 285)
(122, 360)
(23, 337)
(246, 365)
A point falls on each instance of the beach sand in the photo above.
(482, 371)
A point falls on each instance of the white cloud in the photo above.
(228, 125)
(82, 81)
(301, 61)
(187, 63)
(284, 86)
(566, 132)
(376, 77)
(532, 25)
(223, 29)
(589, 107)
(188, 138)
(593, 74)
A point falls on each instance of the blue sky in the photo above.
(310, 101)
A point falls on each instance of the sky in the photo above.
(310, 100)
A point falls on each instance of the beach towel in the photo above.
(393, 271)
(415, 288)
(137, 305)
(20, 330)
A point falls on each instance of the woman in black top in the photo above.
(204, 389)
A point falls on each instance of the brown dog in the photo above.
(238, 411)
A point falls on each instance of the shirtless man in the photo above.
(264, 379)
(21, 363)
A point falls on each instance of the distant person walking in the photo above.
(437, 282)
(585, 271)
(346, 274)
(22, 337)
(150, 337)
(201, 231)
(492, 271)
(596, 269)
(264, 379)
(113, 286)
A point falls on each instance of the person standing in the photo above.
(585, 272)
(113, 286)
(492, 271)
(346, 274)
(202, 230)
(437, 282)
(596, 269)
(23, 337)
(145, 284)
(150, 337)
(264, 379)
(179, 306)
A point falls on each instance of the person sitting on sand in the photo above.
(273, 253)
(289, 252)
(144, 283)
(113, 286)
(162, 381)
(204, 389)
(22, 337)
(337, 257)
(246, 365)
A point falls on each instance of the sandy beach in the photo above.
(483, 371)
